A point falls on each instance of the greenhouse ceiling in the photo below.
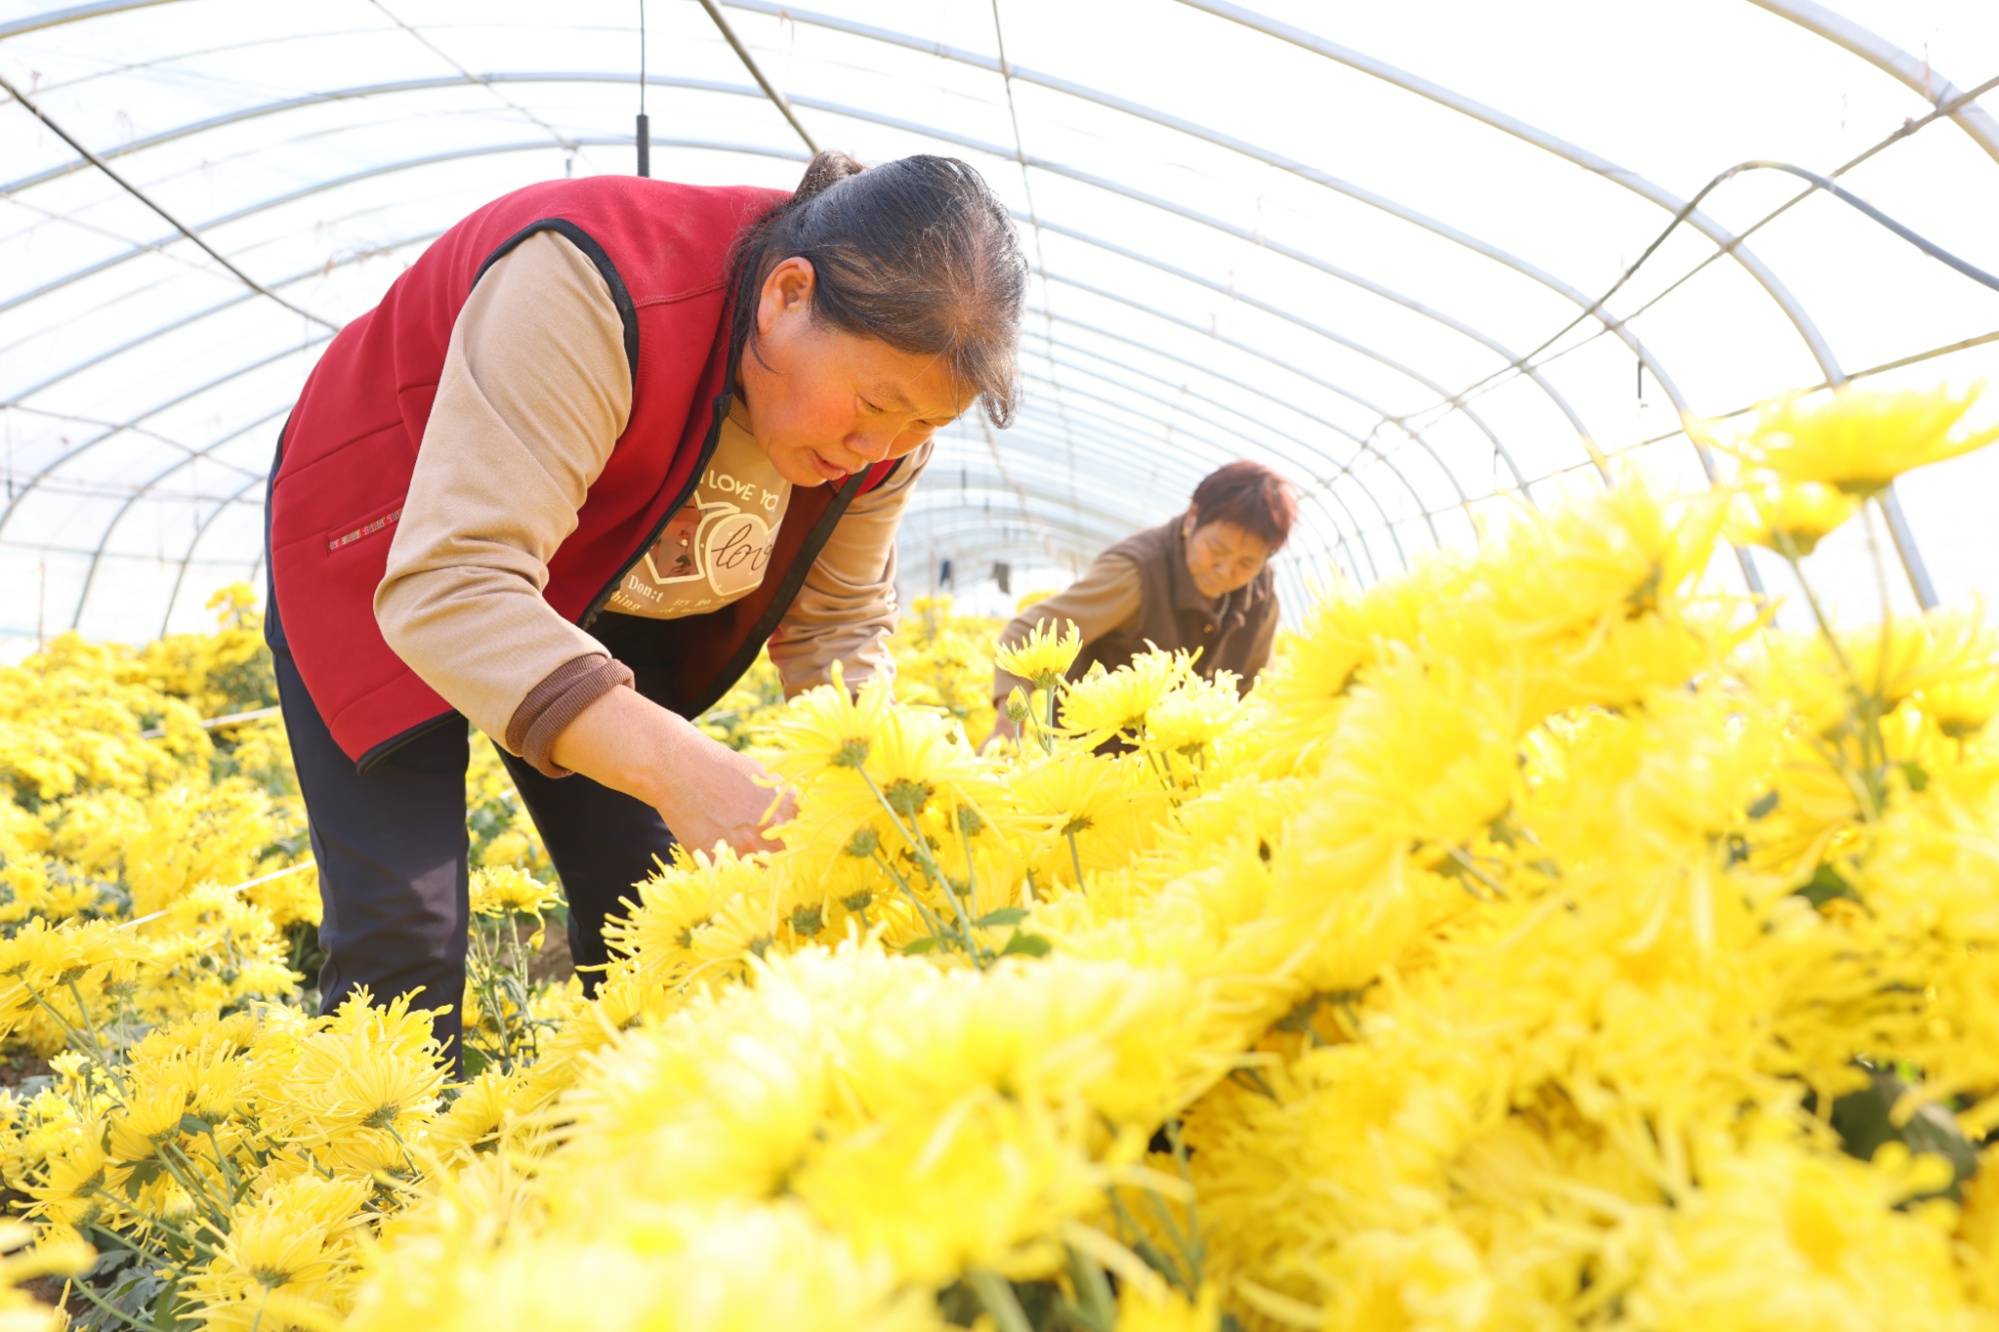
(1430, 259)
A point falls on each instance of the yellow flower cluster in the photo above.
(1546, 941)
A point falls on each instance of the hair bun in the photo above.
(827, 168)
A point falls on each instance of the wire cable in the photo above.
(749, 63)
(1817, 182)
(171, 220)
(1034, 222)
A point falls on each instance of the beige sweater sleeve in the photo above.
(846, 608)
(535, 390)
(1104, 599)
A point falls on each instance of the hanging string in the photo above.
(643, 134)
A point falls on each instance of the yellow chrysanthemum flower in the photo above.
(1043, 657)
(1858, 440)
(26, 1259)
(1790, 517)
(509, 891)
(286, 1260)
(1108, 705)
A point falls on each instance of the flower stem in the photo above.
(930, 867)
(997, 1295)
(1465, 863)
(930, 920)
(1094, 1290)
(1864, 702)
(1179, 1142)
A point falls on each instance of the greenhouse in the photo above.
(1095, 667)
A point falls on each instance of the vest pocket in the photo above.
(349, 534)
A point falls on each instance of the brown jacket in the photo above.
(1139, 591)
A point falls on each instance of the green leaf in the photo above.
(1156, 1259)
(1764, 805)
(1003, 916)
(1299, 1019)
(1864, 1121)
(923, 945)
(144, 1173)
(196, 1125)
(1825, 884)
(1027, 945)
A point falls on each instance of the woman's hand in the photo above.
(705, 791)
(715, 794)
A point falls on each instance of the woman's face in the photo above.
(1222, 557)
(823, 403)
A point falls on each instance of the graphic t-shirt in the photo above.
(716, 548)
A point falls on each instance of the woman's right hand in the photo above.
(713, 793)
(704, 790)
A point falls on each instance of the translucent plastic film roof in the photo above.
(1345, 240)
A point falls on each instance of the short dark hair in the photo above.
(1249, 495)
(916, 252)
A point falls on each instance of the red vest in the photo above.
(351, 443)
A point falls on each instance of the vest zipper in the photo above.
(708, 446)
(787, 592)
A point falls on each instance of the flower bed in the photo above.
(1546, 941)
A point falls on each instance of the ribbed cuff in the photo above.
(557, 701)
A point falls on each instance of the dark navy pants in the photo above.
(391, 848)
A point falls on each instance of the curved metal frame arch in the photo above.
(111, 524)
(1362, 443)
(195, 317)
(1919, 76)
(835, 108)
(1346, 469)
(1387, 523)
(254, 478)
(1422, 509)
(831, 108)
(1186, 391)
(924, 500)
(933, 524)
(196, 454)
(1306, 493)
(1499, 449)
(1075, 90)
(994, 536)
(975, 471)
(1854, 39)
(1024, 447)
(750, 150)
(1029, 434)
(34, 483)
(1132, 519)
(1597, 165)
(194, 544)
(410, 164)
(1901, 68)
(991, 149)
(1355, 526)
(1204, 220)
